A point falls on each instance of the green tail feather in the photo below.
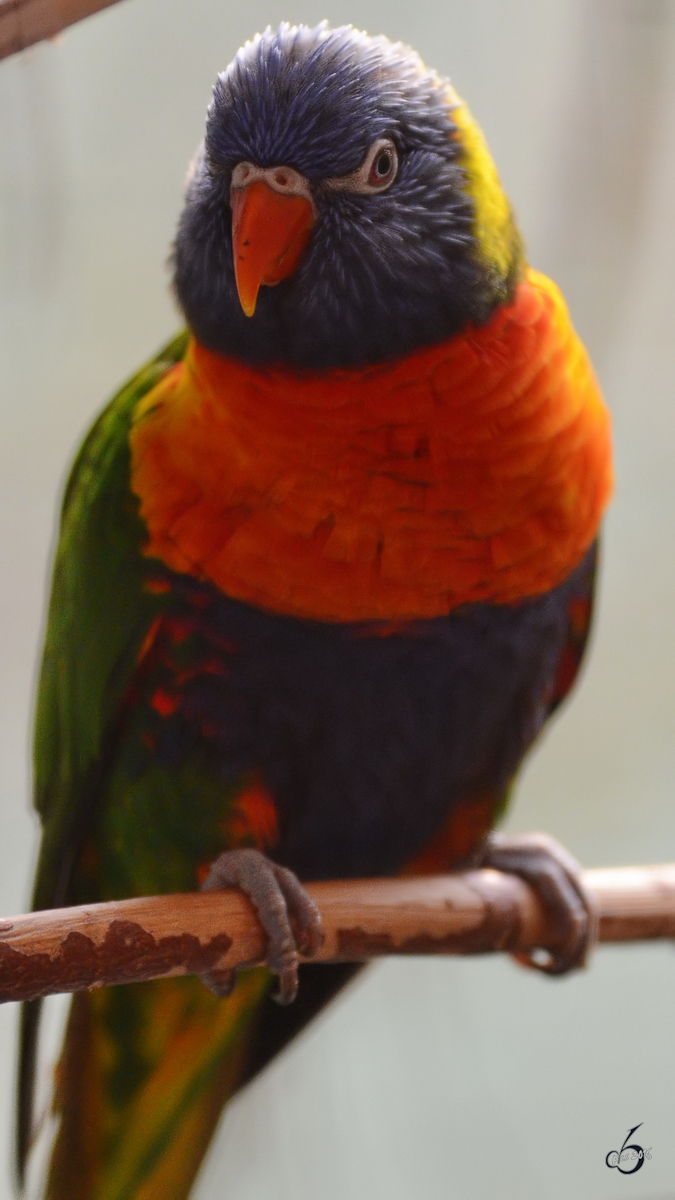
(142, 1080)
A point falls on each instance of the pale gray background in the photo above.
(453, 1080)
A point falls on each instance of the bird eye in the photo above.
(376, 173)
(382, 168)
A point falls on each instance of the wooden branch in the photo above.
(67, 949)
(24, 22)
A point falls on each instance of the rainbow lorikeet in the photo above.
(325, 568)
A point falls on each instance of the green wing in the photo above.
(99, 614)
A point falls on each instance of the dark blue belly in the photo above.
(367, 741)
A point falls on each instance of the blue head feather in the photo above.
(383, 273)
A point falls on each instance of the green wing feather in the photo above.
(99, 614)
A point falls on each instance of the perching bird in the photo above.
(325, 568)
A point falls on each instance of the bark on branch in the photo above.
(24, 22)
(478, 912)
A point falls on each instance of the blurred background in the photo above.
(447, 1080)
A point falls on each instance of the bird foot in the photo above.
(556, 878)
(289, 917)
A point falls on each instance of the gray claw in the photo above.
(288, 915)
(221, 983)
(556, 877)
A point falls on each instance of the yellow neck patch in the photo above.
(494, 229)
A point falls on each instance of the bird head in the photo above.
(343, 208)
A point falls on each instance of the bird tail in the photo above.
(143, 1076)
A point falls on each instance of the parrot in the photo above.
(325, 569)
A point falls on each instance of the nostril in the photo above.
(281, 178)
(241, 174)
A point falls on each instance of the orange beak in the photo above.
(269, 233)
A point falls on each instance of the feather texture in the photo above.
(322, 576)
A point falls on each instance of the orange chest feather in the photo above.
(476, 470)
